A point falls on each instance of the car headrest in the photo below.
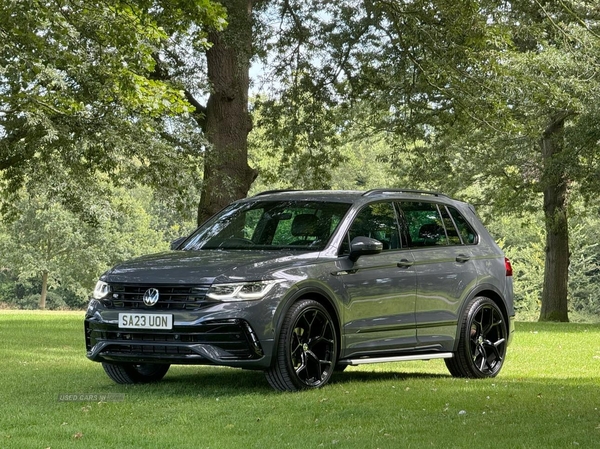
(304, 225)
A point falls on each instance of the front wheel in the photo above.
(307, 348)
(482, 343)
(129, 373)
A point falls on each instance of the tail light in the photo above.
(508, 266)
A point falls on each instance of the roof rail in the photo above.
(267, 192)
(420, 192)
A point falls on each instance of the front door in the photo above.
(381, 288)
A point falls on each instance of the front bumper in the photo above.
(203, 332)
(229, 342)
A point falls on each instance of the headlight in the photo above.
(243, 291)
(101, 291)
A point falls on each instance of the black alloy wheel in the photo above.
(307, 348)
(483, 340)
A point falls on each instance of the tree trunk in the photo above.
(556, 269)
(227, 176)
(42, 303)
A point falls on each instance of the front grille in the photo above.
(235, 337)
(171, 297)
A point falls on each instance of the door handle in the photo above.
(462, 258)
(405, 263)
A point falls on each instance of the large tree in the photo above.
(517, 120)
(95, 96)
(226, 121)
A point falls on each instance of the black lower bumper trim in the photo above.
(216, 342)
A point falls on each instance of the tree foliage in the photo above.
(52, 249)
(502, 108)
(494, 101)
(77, 95)
(488, 93)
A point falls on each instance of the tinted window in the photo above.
(377, 221)
(464, 228)
(270, 225)
(424, 224)
(451, 232)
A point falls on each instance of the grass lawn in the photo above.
(547, 395)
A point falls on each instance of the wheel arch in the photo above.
(316, 294)
(489, 291)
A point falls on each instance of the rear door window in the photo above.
(424, 224)
(451, 232)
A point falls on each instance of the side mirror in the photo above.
(175, 243)
(363, 246)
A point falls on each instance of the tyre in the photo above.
(128, 373)
(307, 348)
(482, 342)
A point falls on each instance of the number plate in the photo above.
(145, 321)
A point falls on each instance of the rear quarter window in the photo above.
(468, 235)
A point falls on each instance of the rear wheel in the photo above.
(483, 341)
(129, 373)
(306, 353)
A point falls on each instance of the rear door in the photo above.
(444, 267)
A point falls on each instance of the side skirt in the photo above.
(402, 358)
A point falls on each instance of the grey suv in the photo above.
(301, 284)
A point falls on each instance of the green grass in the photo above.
(547, 395)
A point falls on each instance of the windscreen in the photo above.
(270, 225)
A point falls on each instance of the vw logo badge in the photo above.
(151, 297)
